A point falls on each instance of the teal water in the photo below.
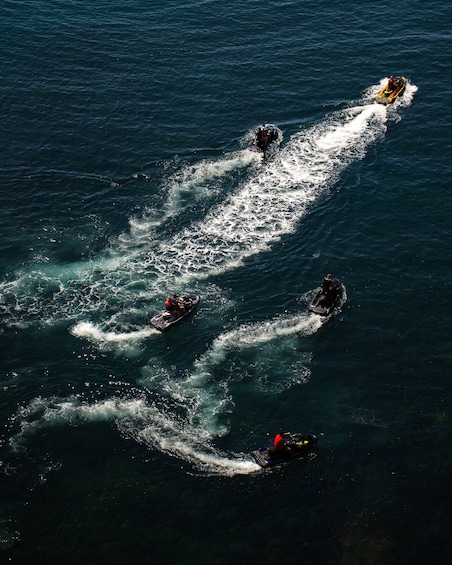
(125, 174)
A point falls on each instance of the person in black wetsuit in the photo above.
(327, 290)
(327, 284)
(262, 137)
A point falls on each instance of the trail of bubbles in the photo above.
(192, 183)
(208, 393)
(272, 203)
(196, 181)
(122, 342)
(42, 413)
(188, 417)
(189, 443)
(139, 420)
(267, 206)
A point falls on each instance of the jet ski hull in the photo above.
(165, 320)
(300, 444)
(324, 303)
(386, 96)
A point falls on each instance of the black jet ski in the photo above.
(394, 88)
(184, 306)
(266, 134)
(327, 296)
(300, 444)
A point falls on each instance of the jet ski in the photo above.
(300, 444)
(265, 135)
(394, 88)
(181, 307)
(327, 296)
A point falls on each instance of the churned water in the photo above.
(126, 175)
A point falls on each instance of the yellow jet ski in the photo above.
(394, 88)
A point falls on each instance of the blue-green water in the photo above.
(125, 175)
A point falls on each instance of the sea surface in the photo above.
(125, 175)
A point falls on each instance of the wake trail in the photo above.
(272, 203)
(190, 413)
(189, 430)
(264, 208)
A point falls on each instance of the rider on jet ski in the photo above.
(280, 446)
(327, 284)
(174, 305)
(393, 83)
(265, 134)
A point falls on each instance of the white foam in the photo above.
(139, 420)
(262, 210)
(102, 338)
(41, 413)
(272, 203)
(206, 396)
(266, 206)
(188, 430)
(190, 184)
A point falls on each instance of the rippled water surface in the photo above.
(126, 175)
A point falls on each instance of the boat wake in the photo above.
(109, 300)
(188, 415)
(261, 210)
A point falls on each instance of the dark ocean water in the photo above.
(125, 174)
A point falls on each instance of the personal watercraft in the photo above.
(327, 296)
(183, 306)
(394, 88)
(265, 135)
(299, 444)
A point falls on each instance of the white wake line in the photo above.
(194, 182)
(251, 335)
(271, 204)
(137, 419)
(160, 429)
(95, 334)
(264, 209)
(245, 335)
